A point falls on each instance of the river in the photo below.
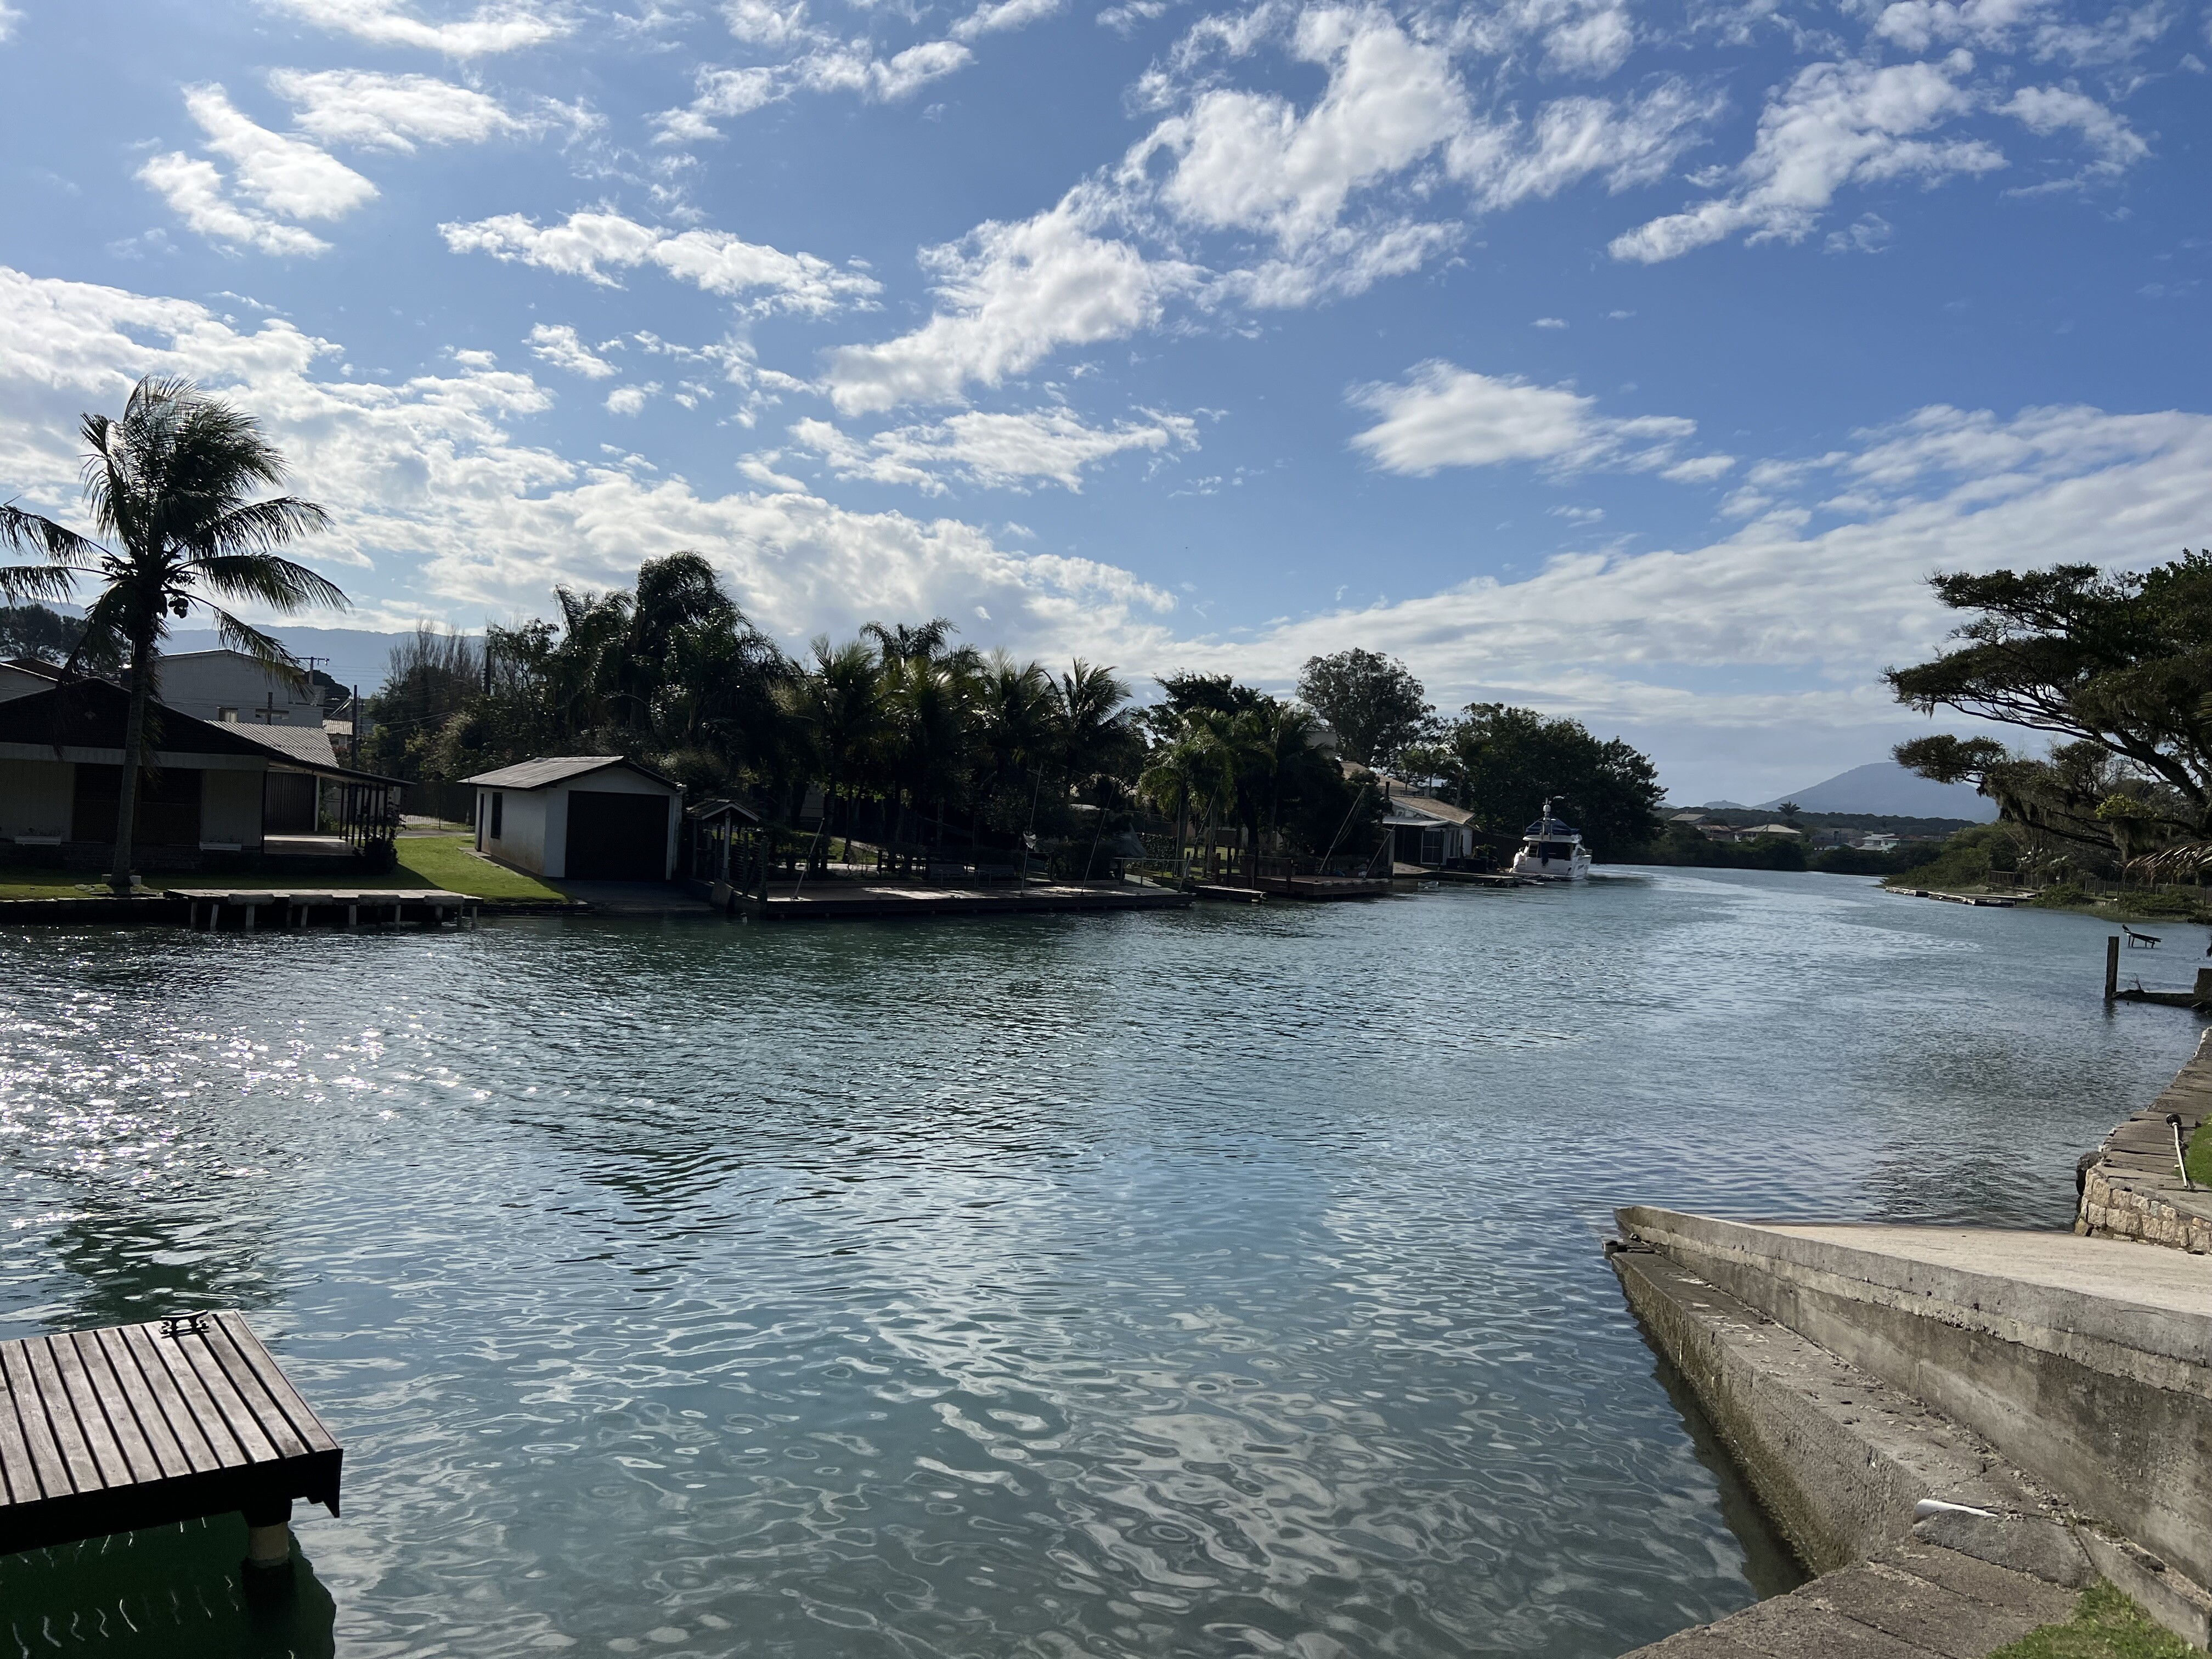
(1225, 1282)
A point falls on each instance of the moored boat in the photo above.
(1551, 850)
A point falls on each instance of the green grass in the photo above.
(2105, 1624)
(448, 862)
(424, 861)
(2197, 1157)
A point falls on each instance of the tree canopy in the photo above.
(1373, 701)
(2118, 665)
(1501, 764)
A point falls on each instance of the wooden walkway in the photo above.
(144, 1425)
(300, 907)
(831, 899)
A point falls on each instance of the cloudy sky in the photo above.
(1633, 361)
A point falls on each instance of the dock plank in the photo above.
(139, 1425)
(177, 1414)
(145, 1406)
(49, 1473)
(83, 1402)
(82, 1473)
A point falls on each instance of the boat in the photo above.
(1551, 850)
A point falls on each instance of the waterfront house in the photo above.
(1425, 831)
(209, 787)
(580, 817)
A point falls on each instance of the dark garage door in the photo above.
(617, 837)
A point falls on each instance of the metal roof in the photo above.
(549, 769)
(301, 745)
(719, 809)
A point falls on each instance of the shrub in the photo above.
(2066, 895)
(2177, 906)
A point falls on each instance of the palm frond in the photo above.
(36, 533)
(277, 583)
(19, 582)
(105, 645)
(256, 527)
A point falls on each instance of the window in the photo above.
(227, 715)
(498, 813)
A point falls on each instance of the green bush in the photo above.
(2176, 907)
(2066, 896)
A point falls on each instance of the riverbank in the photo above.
(2042, 1396)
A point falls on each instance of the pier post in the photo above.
(269, 1536)
(2111, 966)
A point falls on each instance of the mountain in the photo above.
(1885, 788)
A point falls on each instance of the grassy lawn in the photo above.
(2105, 1624)
(424, 861)
(448, 862)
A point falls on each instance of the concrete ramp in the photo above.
(2085, 1363)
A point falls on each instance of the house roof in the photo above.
(299, 745)
(723, 809)
(1428, 806)
(549, 769)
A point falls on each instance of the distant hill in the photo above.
(1886, 788)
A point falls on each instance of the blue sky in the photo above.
(1635, 363)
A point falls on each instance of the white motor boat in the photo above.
(1552, 851)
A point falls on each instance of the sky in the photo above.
(1635, 363)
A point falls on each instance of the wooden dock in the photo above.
(245, 908)
(145, 1425)
(829, 900)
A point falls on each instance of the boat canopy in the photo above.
(1549, 829)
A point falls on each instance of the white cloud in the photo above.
(1838, 123)
(1443, 415)
(1634, 142)
(997, 451)
(828, 65)
(990, 18)
(193, 189)
(629, 399)
(1250, 161)
(2120, 35)
(760, 23)
(441, 512)
(2045, 110)
(9, 17)
(286, 175)
(391, 111)
(1550, 322)
(559, 344)
(590, 245)
(504, 26)
(1009, 294)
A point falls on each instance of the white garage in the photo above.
(580, 817)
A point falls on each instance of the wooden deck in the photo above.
(144, 1425)
(245, 908)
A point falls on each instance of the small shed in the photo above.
(580, 817)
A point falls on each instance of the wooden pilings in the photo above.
(2111, 967)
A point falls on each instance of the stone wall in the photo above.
(2129, 1187)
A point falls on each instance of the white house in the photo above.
(1426, 831)
(229, 686)
(580, 817)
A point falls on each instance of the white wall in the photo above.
(36, 796)
(522, 830)
(203, 684)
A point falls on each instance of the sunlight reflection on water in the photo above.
(1216, 1283)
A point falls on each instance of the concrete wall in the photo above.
(35, 798)
(2106, 1397)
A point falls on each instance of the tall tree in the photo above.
(1374, 703)
(2120, 663)
(170, 488)
(37, 634)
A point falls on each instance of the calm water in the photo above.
(1223, 1283)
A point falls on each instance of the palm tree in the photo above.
(168, 489)
(1195, 768)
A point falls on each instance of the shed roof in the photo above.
(1428, 806)
(723, 809)
(549, 769)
